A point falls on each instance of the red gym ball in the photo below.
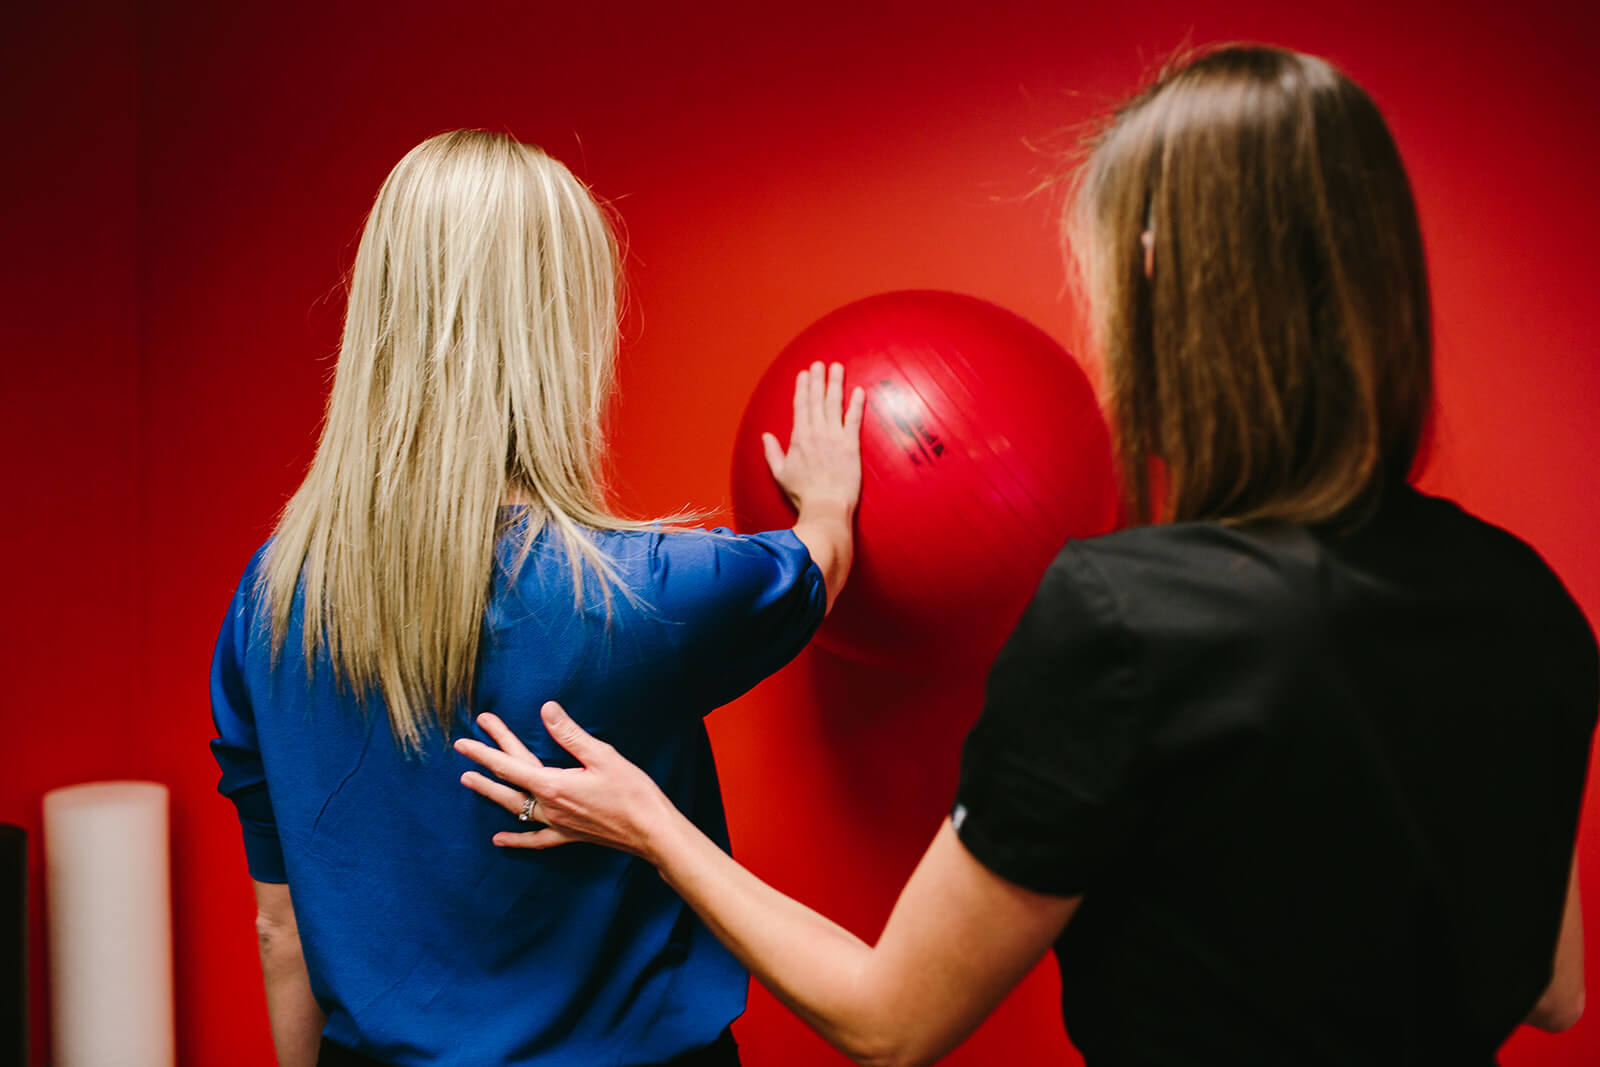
(983, 450)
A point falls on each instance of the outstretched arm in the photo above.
(958, 940)
(821, 471)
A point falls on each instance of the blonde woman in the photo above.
(451, 552)
(1291, 776)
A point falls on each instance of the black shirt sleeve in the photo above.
(1047, 773)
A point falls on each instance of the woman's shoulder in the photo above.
(1199, 592)
(1434, 543)
(722, 565)
(661, 536)
(671, 572)
(248, 581)
(1507, 572)
(1456, 535)
(1410, 533)
(1278, 582)
(1146, 552)
(1180, 562)
(658, 549)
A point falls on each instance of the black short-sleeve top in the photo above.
(1319, 789)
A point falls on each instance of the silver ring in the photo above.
(527, 808)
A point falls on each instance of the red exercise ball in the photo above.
(983, 451)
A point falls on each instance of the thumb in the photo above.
(774, 451)
(568, 734)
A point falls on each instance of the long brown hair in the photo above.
(1277, 356)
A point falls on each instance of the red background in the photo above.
(185, 185)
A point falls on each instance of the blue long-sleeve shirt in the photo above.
(424, 942)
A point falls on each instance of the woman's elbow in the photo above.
(276, 933)
(889, 1055)
(1558, 1009)
(892, 1046)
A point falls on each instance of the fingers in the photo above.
(833, 397)
(502, 765)
(503, 736)
(817, 385)
(570, 736)
(802, 402)
(819, 397)
(774, 451)
(503, 795)
(852, 417)
(549, 837)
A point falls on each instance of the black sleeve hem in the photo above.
(1035, 869)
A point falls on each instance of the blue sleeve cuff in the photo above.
(262, 849)
(263, 852)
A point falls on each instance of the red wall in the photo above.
(69, 638)
(769, 168)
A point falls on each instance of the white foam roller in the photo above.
(109, 900)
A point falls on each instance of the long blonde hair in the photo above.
(476, 367)
(1278, 360)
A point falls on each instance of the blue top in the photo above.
(424, 942)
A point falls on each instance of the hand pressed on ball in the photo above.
(823, 462)
(982, 449)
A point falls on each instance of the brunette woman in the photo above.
(1289, 771)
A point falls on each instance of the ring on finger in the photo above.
(526, 815)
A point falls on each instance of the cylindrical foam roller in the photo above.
(108, 894)
(13, 944)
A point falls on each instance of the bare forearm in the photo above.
(824, 527)
(959, 937)
(296, 1019)
(816, 967)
